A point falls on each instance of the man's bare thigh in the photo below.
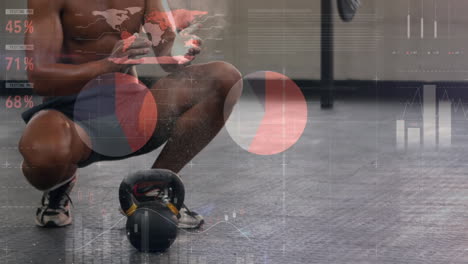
(179, 91)
(39, 127)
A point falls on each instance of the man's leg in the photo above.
(52, 147)
(191, 107)
(191, 111)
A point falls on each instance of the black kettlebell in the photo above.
(151, 200)
(152, 228)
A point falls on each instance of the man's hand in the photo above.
(192, 42)
(125, 51)
(173, 39)
(182, 47)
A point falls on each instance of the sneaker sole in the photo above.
(183, 226)
(52, 224)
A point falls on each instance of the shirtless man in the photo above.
(54, 146)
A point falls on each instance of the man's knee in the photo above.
(227, 76)
(46, 148)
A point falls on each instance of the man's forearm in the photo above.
(67, 79)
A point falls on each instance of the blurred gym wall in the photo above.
(420, 40)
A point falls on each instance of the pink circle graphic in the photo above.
(270, 116)
(118, 112)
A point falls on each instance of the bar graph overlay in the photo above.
(419, 16)
(431, 129)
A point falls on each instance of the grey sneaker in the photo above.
(55, 207)
(189, 219)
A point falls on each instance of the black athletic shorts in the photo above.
(66, 106)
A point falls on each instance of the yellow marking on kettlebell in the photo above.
(173, 209)
(131, 210)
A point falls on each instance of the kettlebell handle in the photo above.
(155, 178)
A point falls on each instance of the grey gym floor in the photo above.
(343, 194)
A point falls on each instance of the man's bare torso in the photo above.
(76, 41)
(92, 27)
